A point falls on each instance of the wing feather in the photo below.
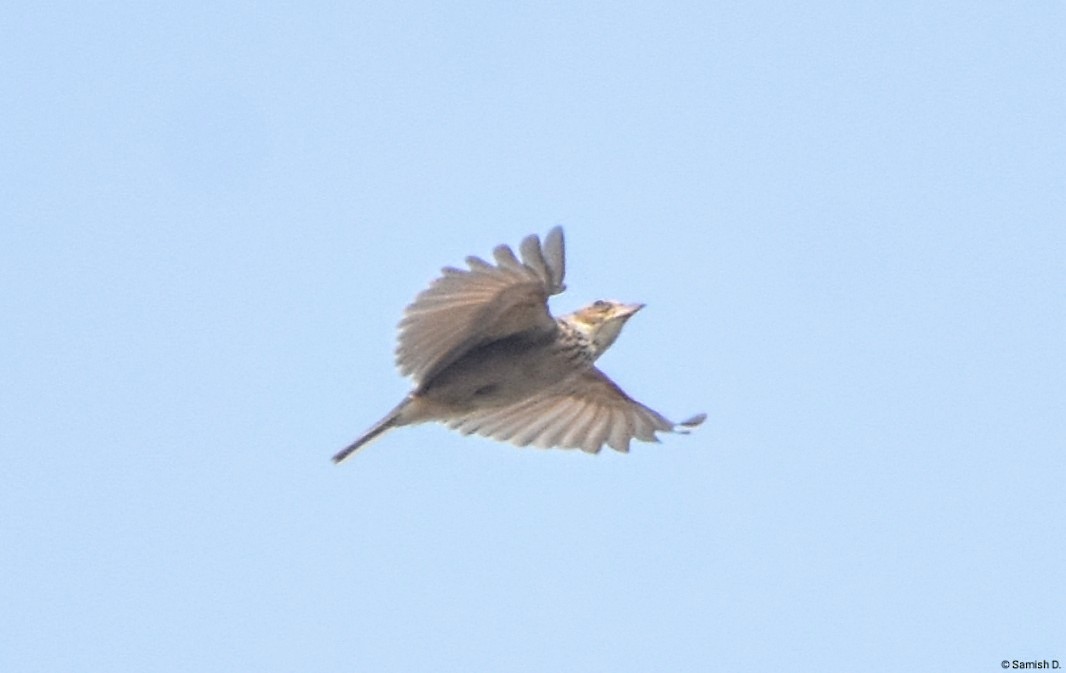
(598, 428)
(583, 412)
(463, 309)
(552, 432)
(578, 430)
(555, 257)
(621, 431)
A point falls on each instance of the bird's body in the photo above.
(488, 357)
(501, 372)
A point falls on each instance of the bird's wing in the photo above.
(583, 412)
(466, 308)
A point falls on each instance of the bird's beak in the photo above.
(628, 310)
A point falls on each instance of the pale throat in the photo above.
(605, 334)
(597, 337)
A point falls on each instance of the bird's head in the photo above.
(601, 321)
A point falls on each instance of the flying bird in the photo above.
(487, 357)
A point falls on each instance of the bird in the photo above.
(487, 357)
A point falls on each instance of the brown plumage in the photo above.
(487, 357)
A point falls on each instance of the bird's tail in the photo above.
(391, 420)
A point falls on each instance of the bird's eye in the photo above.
(599, 303)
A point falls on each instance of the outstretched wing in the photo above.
(464, 309)
(583, 412)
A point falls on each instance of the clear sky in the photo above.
(848, 223)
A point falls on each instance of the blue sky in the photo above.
(847, 223)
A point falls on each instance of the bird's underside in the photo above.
(500, 373)
(488, 358)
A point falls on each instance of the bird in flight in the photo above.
(487, 357)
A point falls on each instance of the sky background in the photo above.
(848, 223)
